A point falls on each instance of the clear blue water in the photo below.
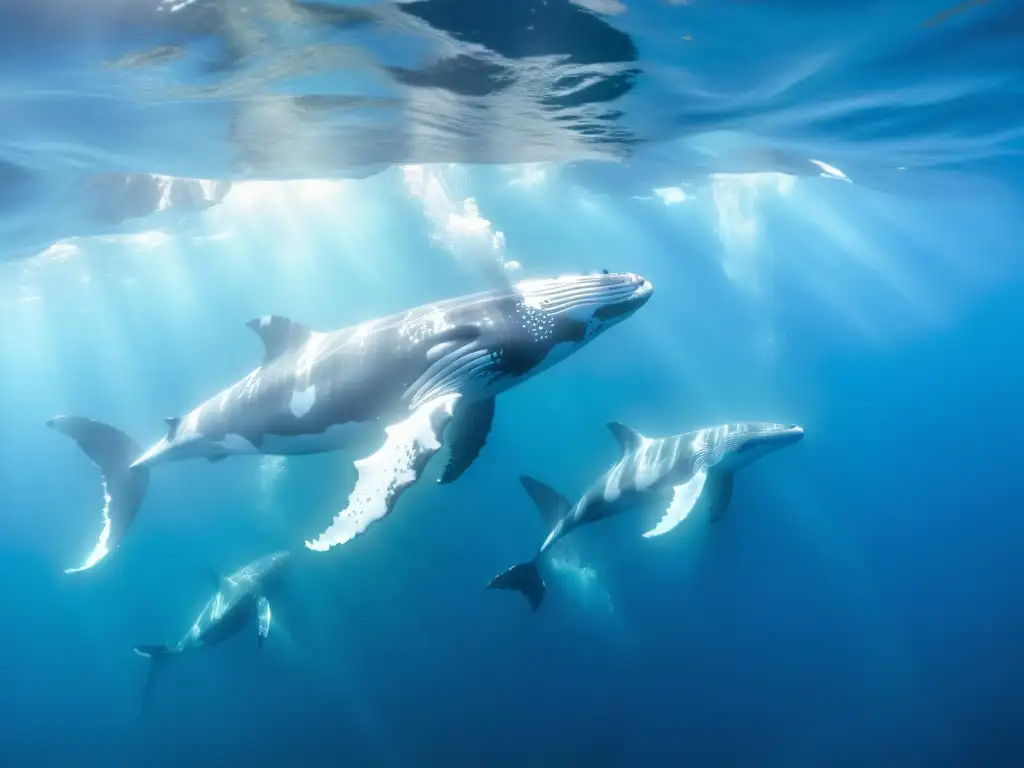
(859, 604)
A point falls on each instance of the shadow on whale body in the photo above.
(675, 474)
(399, 380)
(241, 599)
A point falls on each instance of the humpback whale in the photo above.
(239, 600)
(402, 378)
(675, 473)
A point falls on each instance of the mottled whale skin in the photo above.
(240, 600)
(351, 388)
(675, 473)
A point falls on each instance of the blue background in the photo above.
(859, 604)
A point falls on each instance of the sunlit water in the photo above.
(826, 197)
(635, 97)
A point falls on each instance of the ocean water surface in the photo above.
(826, 198)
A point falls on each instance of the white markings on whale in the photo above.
(385, 475)
(302, 401)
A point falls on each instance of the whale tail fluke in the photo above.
(157, 655)
(524, 578)
(124, 486)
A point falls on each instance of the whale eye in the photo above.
(604, 271)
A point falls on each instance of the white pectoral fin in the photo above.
(386, 474)
(684, 499)
(263, 616)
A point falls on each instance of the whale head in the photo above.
(553, 318)
(518, 332)
(732, 446)
(595, 301)
(270, 569)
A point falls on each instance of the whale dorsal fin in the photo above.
(279, 334)
(172, 422)
(629, 439)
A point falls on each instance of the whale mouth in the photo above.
(644, 287)
(773, 428)
(604, 296)
(785, 434)
(642, 292)
(749, 438)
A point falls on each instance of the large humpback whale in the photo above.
(240, 599)
(402, 378)
(674, 472)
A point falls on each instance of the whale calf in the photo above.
(241, 600)
(402, 378)
(675, 473)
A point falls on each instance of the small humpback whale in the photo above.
(240, 600)
(401, 379)
(673, 473)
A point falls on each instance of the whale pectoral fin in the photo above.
(466, 436)
(449, 340)
(263, 616)
(721, 495)
(385, 475)
(279, 334)
(684, 498)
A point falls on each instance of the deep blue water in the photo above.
(858, 604)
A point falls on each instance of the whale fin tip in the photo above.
(469, 430)
(385, 475)
(524, 578)
(124, 483)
